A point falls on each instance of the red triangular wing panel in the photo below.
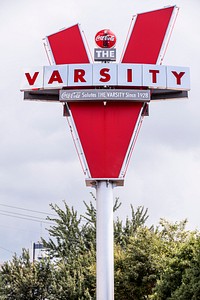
(105, 132)
(67, 46)
(147, 36)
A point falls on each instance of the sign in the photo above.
(105, 95)
(105, 39)
(105, 54)
(67, 46)
(105, 131)
(148, 41)
(105, 120)
(38, 246)
(84, 75)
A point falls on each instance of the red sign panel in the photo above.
(147, 36)
(67, 46)
(105, 132)
(105, 128)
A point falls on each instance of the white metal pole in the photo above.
(105, 252)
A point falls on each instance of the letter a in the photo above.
(55, 77)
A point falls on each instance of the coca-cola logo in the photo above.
(105, 38)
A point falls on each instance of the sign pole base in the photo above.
(105, 250)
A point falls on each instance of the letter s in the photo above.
(105, 76)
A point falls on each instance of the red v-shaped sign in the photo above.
(105, 131)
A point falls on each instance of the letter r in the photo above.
(79, 75)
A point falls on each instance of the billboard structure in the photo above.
(105, 104)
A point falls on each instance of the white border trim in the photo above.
(48, 51)
(167, 35)
(134, 18)
(78, 145)
(85, 44)
(131, 145)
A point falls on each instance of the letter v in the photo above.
(31, 80)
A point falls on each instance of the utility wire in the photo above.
(24, 215)
(26, 218)
(26, 209)
(6, 250)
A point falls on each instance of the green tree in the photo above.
(135, 266)
(189, 289)
(74, 280)
(122, 233)
(177, 261)
(21, 279)
(160, 263)
(72, 265)
(76, 263)
(72, 246)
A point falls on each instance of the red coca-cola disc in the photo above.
(105, 38)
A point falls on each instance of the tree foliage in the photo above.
(22, 280)
(160, 263)
(178, 267)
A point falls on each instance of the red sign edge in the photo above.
(166, 38)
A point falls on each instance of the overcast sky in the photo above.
(38, 162)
